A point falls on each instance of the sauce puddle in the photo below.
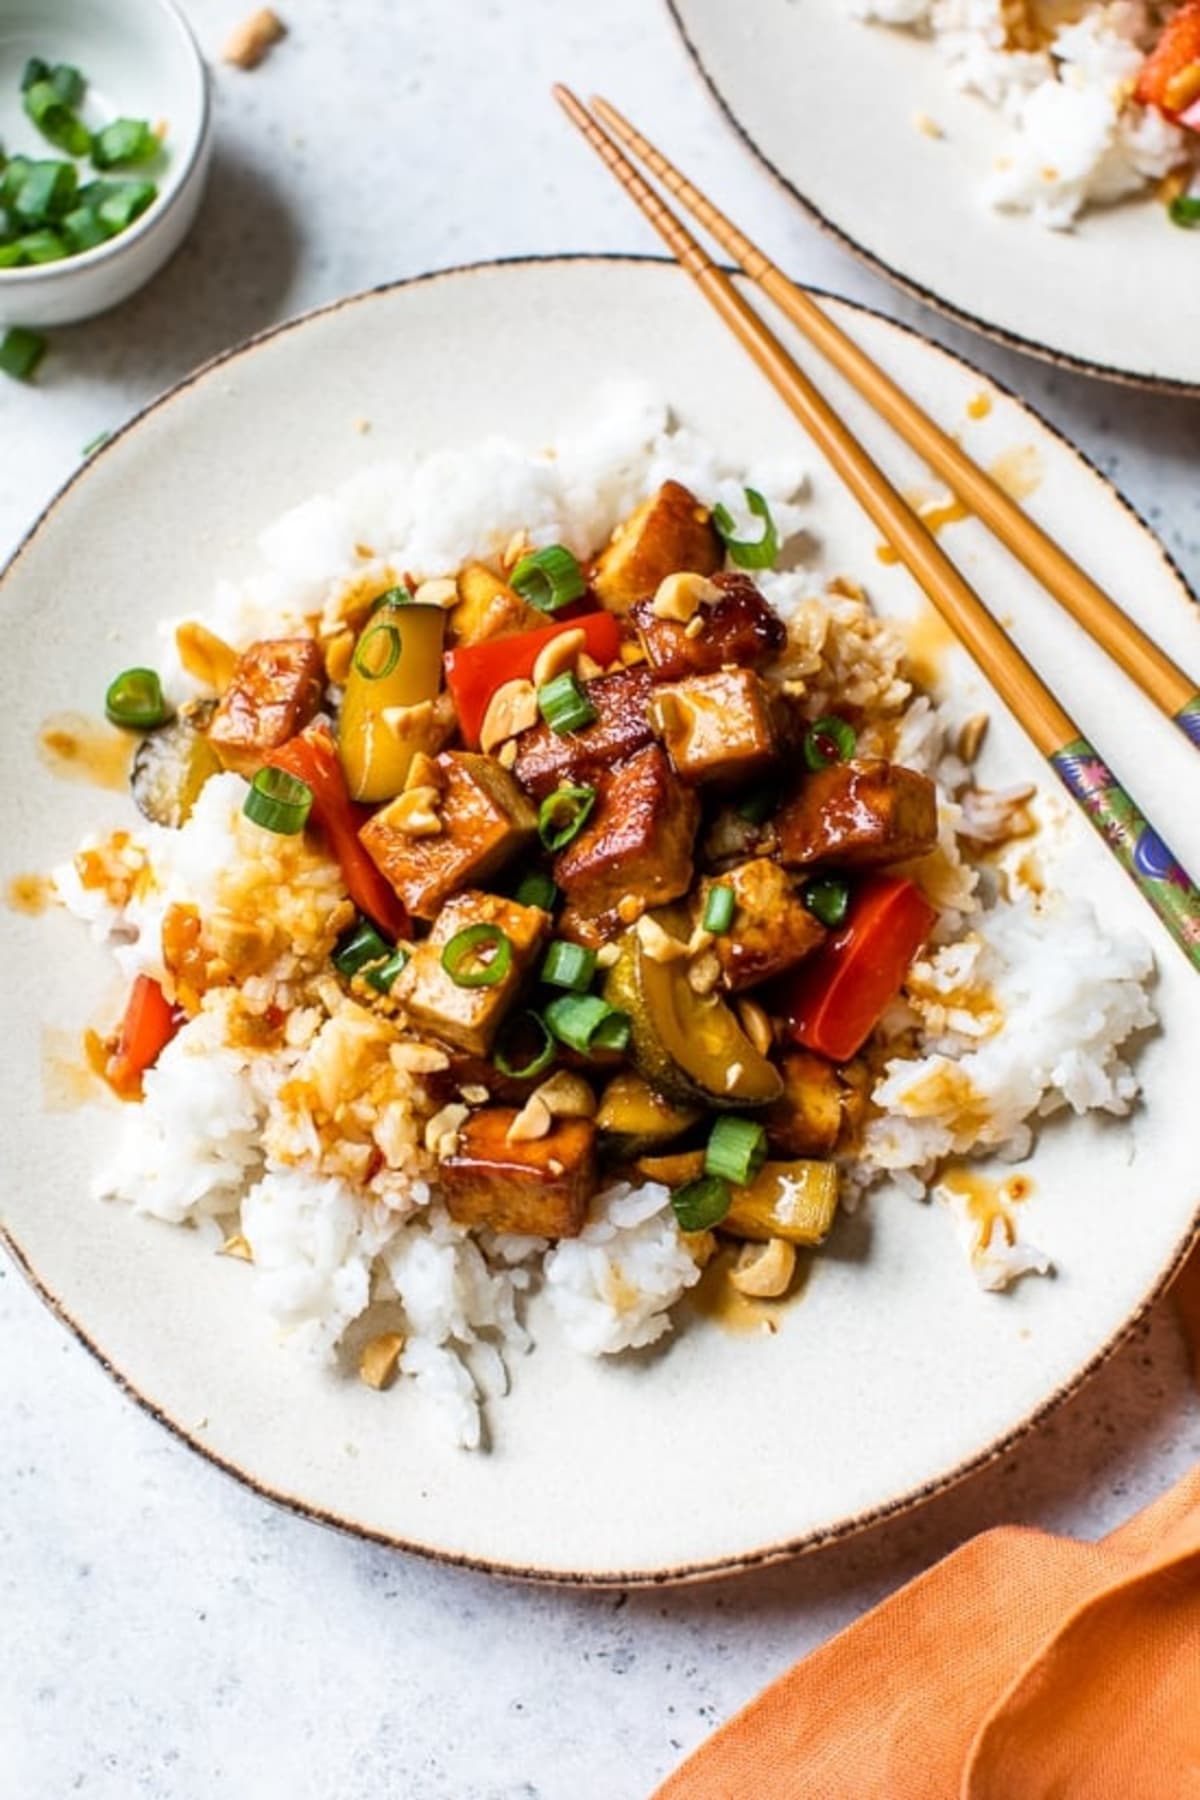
(29, 894)
(77, 748)
(715, 1298)
(987, 1203)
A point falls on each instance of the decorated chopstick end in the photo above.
(1188, 720)
(1134, 842)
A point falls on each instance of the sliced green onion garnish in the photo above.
(507, 1054)
(757, 806)
(44, 246)
(83, 228)
(536, 889)
(123, 143)
(718, 910)
(359, 948)
(93, 444)
(564, 705)
(828, 899)
(126, 201)
(378, 651)
(382, 976)
(701, 1204)
(569, 966)
(278, 802)
(1185, 210)
(35, 70)
(548, 578)
(479, 956)
(58, 123)
(587, 1023)
(563, 815)
(47, 191)
(68, 83)
(827, 741)
(736, 1150)
(135, 699)
(395, 596)
(757, 553)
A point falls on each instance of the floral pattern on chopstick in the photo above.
(1188, 720)
(1163, 881)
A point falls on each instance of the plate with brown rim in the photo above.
(891, 1375)
(833, 108)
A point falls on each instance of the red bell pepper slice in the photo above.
(835, 999)
(475, 671)
(313, 758)
(149, 1024)
(1177, 48)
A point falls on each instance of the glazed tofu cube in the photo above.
(738, 628)
(547, 759)
(275, 689)
(638, 840)
(536, 1188)
(488, 608)
(469, 1017)
(669, 533)
(483, 819)
(772, 929)
(807, 1118)
(717, 728)
(858, 814)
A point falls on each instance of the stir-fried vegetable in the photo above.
(635, 1119)
(312, 758)
(834, 1001)
(134, 700)
(172, 765)
(795, 1201)
(387, 714)
(749, 553)
(149, 1024)
(475, 671)
(548, 578)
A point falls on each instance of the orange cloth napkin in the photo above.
(1022, 1667)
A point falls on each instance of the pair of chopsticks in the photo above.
(1079, 766)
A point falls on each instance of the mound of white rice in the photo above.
(1071, 136)
(305, 1140)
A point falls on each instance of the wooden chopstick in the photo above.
(1160, 878)
(1160, 679)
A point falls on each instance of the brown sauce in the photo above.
(76, 748)
(979, 406)
(1018, 471)
(988, 1203)
(31, 894)
(927, 638)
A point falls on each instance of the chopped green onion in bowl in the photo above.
(123, 143)
(57, 121)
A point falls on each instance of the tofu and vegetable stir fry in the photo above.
(601, 855)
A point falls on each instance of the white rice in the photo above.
(1069, 134)
(1027, 1010)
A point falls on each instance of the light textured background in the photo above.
(163, 1632)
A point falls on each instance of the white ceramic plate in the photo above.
(892, 1375)
(827, 103)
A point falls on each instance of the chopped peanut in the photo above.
(249, 42)
(559, 654)
(680, 596)
(971, 736)
(441, 592)
(566, 1096)
(756, 1025)
(415, 812)
(441, 1132)
(532, 1122)
(764, 1271)
(511, 709)
(237, 1246)
(377, 1363)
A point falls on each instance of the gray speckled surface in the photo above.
(165, 1633)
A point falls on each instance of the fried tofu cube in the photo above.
(275, 689)
(739, 627)
(549, 759)
(488, 608)
(638, 840)
(468, 1018)
(772, 929)
(858, 814)
(483, 820)
(668, 534)
(718, 727)
(534, 1188)
(807, 1118)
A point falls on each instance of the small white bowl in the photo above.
(141, 61)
